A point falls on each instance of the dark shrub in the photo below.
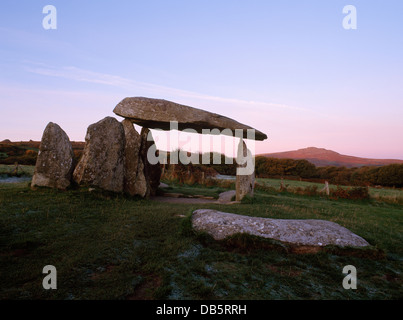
(359, 193)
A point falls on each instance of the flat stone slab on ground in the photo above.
(227, 195)
(163, 185)
(310, 232)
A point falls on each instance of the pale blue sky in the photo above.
(287, 68)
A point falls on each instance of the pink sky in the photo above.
(289, 69)
(288, 127)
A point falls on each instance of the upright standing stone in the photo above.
(54, 165)
(245, 176)
(102, 162)
(134, 181)
(152, 172)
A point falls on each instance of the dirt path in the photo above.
(183, 200)
(224, 198)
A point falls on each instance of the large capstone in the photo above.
(54, 165)
(102, 161)
(158, 113)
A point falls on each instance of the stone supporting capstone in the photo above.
(102, 161)
(245, 172)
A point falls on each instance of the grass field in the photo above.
(383, 194)
(107, 246)
(23, 170)
(275, 183)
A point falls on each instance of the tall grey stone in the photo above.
(135, 182)
(102, 161)
(152, 172)
(55, 164)
(245, 175)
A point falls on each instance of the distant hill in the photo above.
(321, 157)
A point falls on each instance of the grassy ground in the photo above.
(186, 190)
(275, 183)
(385, 194)
(10, 170)
(111, 247)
